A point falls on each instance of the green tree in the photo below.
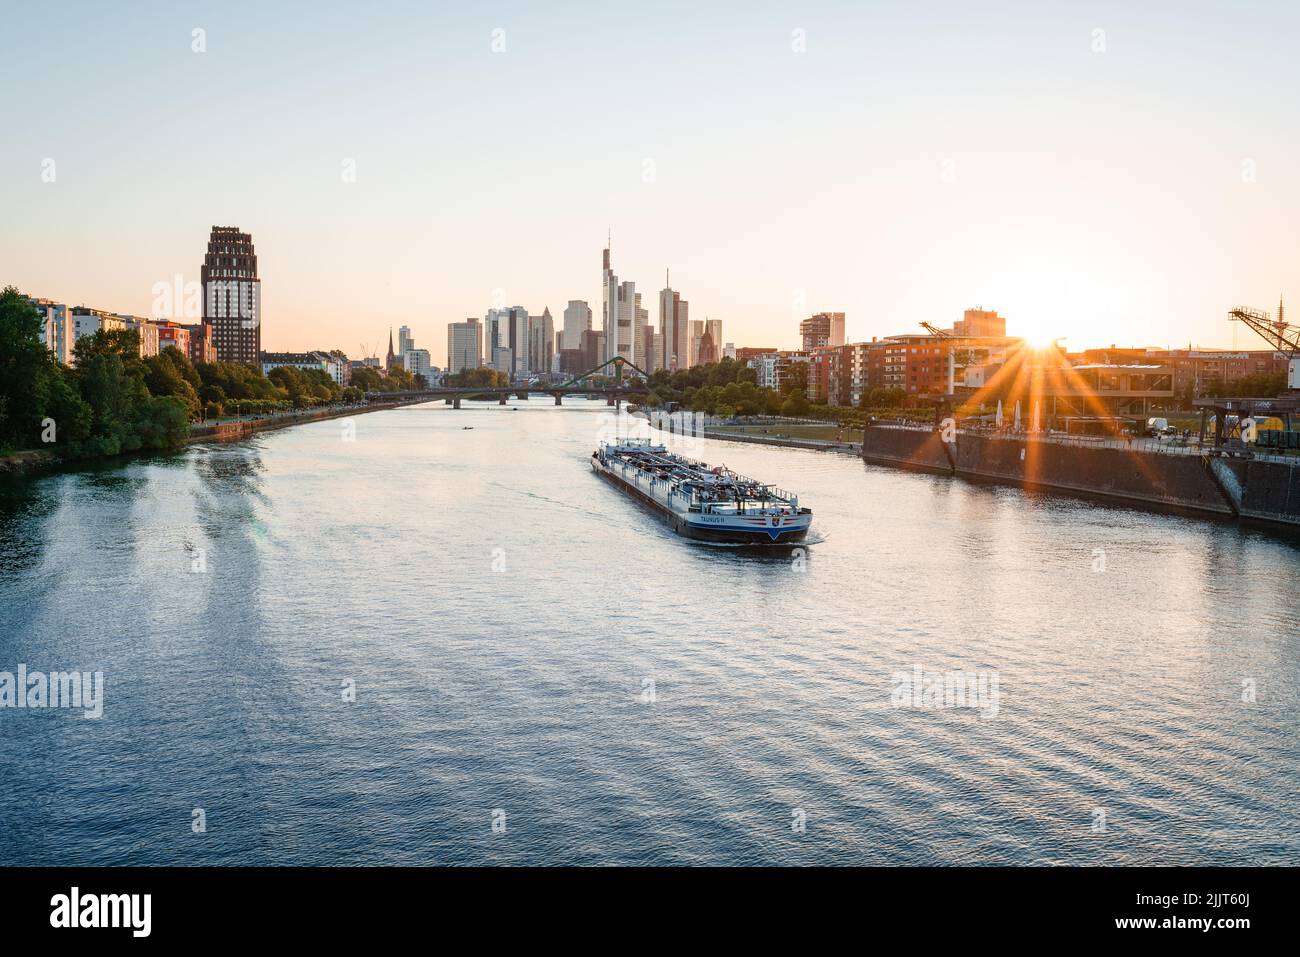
(795, 405)
(24, 360)
(60, 402)
(795, 378)
(170, 373)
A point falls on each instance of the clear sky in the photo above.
(912, 160)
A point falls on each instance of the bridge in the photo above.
(614, 394)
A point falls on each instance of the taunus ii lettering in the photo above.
(102, 910)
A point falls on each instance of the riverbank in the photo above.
(1258, 489)
(34, 461)
(242, 428)
(784, 441)
(22, 463)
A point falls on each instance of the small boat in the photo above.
(712, 504)
(466, 428)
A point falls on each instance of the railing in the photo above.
(1173, 445)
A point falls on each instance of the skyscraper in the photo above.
(674, 326)
(696, 333)
(621, 314)
(464, 345)
(541, 342)
(708, 351)
(404, 341)
(714, 328)
(577, 320)
(609, 304)
(232, 296)
(507, 329)
(821, 330)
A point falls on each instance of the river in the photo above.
(395, 640)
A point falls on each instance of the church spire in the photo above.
(389, 363)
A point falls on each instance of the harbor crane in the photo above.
(1280, 335)
(952, 358)
(952, 353)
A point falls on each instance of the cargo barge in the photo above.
(708, 504)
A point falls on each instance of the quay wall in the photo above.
(915, 449)
(1166, 482)
(1269, 489)
(1178, 482)
(231, 431)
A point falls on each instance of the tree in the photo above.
(162, 422)
(1260, 385)
(58, 401)
(795, 379)
(170, 373)
(23, 361)
(112, 384)
(795, 405)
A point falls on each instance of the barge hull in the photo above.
(686, 530)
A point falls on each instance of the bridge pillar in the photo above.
(455, 402)
(502, 400)
(557, 399)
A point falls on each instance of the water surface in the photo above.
(528, 646)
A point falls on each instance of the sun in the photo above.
(1041, 341)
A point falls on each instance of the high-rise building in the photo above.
(577, 320)
(405, 343)
(593, 349)
(541, 342)
(647, 348)
(714, 328)
(708, 351)
(608, 304)
(621, 315)
(673, 323)
(202, 348)
(979, 322)
(57, 328)
(87, 321)
(418, 362)
(695, 334)
(822, 330)
(176, 336)
(232, 295)
(503, 360)
(150, 341)
(508, 329)
(464, 345)
(629, 312)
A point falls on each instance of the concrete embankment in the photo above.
(818, 445)
(1252, 489)
(231, 431)
(37, 460)
(1263, 490)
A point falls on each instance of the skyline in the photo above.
(953, 183)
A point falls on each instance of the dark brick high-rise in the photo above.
(232, 296)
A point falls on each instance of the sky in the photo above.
(1107, 172)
